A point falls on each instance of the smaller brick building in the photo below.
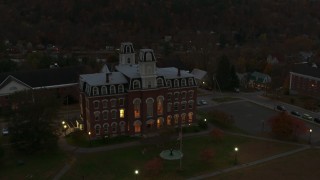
(305, 80)
(137, 98)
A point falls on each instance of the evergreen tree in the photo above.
(223, 73)
(234, 78)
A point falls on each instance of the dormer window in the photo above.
(120, 88)
(104, 90)
(190, 82)
(160, 82)
(176, 83)
(112, 89)
(95, 91)
(169, 83)
(136, 84)
(183, 82)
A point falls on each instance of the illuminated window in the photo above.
(169, 119)
(176, 118)
(183, 118)
(121, 113)
(159, 122)
(160, 105)
(137, 126)
(136, 108)
(190, 115)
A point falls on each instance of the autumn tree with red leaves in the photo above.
(207, 154)
(154, 166)
(217, 134)
(284, 126)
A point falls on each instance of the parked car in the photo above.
(203, 102)
(295, 113)
(317, 120)
(5, 131)
(280, 108)
(199, 103)
(306, 116)
(237, 90)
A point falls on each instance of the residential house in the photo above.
(259, 80)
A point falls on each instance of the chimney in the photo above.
(107, 77)
(179, 72)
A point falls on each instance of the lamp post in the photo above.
(89, 133)
(310, 132)
(136, 172)
(181, 144)
(65, 129)
(235, 156)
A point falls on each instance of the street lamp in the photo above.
(205, 120)
(310, 131)
(235, 156)
(89, 133)
(64, 129)
(63, 122)
(136, 172)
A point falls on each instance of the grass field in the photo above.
(121, 163)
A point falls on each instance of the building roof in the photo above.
(306, 69)
(132, 71)
(198, 73)
(98, 79)
(260, 77)
(45, 77)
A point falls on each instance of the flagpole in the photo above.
(181, 144)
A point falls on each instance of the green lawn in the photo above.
(37, 166)
(121, 163)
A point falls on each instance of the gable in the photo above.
(12, 86)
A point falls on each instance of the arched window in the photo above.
(159, 122)
(183, 82)
(97, 115)
(149, 102)
(136, 84)
(176, 106)
(183, 105)
(122, 125)
(169, 95)
(190, 104)
(120, 88)
(96, 104)
(169, 107)
(169, 83)
(113, 102)
(190, 81)
(104, 90)
(121, 113)
(106, 128)
(114, 127)
(112, 89)
(160, 82)
(95, 91)
(183, 118)
(190, 117)
(191, 94)
(137, 126)
(183, 95)
(136, 108)
(105, 115)
(104, 104)
(113, 114)
(160, 105)
(97, 128)
(176, 83)
(176, 118)
(169, 119)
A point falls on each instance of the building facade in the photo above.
(305, 80)
(137, 98)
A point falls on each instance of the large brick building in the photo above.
(137, 98)
(305, 80)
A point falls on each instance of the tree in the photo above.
(284, 126)
(33, 126)
(154, 166)
(207, 154)
(226, 74)
(234, 80)
(217, 134)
